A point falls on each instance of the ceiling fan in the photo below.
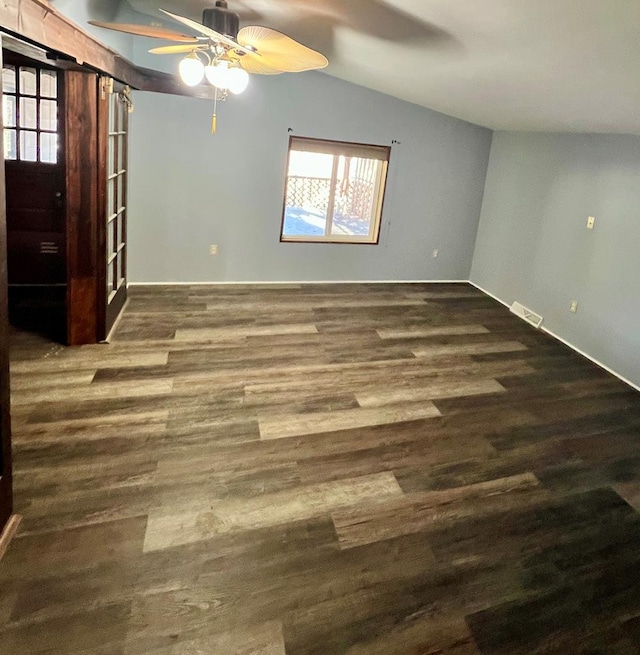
(254, 49)
(224, 53)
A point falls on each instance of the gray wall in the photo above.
(189, 189)
(533, 245)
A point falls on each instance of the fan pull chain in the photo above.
(214, 119)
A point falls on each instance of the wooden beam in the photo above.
(160, 82)
(39, 23)
(35, 53)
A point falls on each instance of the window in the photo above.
(30, 114)
(334, 191)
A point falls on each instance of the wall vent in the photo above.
(49, 248)
(526, 314)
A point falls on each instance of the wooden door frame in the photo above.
(6, 473)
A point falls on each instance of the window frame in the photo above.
(39, 98)
(337, 149)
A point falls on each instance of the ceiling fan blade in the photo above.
(146, 30)
(255, 65)
(207, 31)
(176, 49)
(280, 51)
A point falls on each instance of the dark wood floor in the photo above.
(322, 470)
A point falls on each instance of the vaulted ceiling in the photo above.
(550, 65)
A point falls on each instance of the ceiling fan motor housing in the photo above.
(220, 19)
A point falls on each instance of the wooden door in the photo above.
(35, 190)
(35, 173)
(115, 252)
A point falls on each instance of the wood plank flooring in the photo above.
(321, 470)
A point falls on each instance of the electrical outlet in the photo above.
(436, 253)
(213, 249)
(591, 221)
(573, 308)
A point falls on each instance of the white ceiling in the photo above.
(548, 65)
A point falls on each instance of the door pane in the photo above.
(9, 79)
(28, 146)
(28, 112)
(27, 81)
(110, 203)
(121, 268)
(49, 148)
(121, 235)
(111, 156)
(110, 237)
(120, 191)
(109, 279)
(48, 84)
(113, 106)
(116, 233)
(10, 150)
(49, 115)
(9, 111)
(122, 164)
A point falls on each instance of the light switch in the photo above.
(591, 221)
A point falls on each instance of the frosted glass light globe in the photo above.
(218, 74)
(191, 70)
(238, 80)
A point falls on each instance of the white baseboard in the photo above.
(565, 342)
(590, 358)
(491, 295)
(114, 327)
(8, 533)
(289, 282)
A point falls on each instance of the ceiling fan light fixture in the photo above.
(224, 53)
(191, 70)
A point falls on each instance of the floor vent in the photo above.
(526, 314)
